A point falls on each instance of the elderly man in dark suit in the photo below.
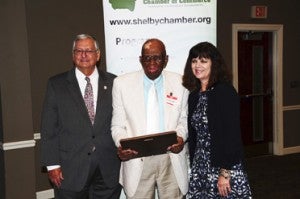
(76, 143)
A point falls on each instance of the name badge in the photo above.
(171, 99)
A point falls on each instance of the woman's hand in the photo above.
(224, 186)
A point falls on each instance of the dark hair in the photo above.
(219, 71)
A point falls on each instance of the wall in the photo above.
(17, 144)
(36, 44)
(2, 171)
(279, 12)
(52, 26)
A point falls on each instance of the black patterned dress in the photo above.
(204, 177)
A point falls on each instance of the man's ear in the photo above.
(98, 56)
(166, 60)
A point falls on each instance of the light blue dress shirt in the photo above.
(159, 86)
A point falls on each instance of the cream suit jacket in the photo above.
(129, 120)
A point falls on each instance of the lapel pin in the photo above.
(105, 87)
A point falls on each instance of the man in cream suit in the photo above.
(167, 172)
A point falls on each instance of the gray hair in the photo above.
(85, 36)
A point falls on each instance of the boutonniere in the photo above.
(171, 99)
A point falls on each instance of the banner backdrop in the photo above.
(180, 24)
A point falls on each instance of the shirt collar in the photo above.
(92, 77)
(156, 81)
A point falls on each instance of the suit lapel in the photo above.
(140, 103)
(170, 100)
(103, 98)
(167, 92)
(136, 102)
(75, 92)
(101, 95)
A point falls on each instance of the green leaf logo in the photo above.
(123, 4)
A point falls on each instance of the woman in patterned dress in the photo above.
(215, 145)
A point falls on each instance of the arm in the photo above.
(118, 124)
(223, 118)
(231, 128)
(231, 125)
(49, 129)
(181, 127)
(49, 137)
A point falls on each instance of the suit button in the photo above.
(93, 137)
(89, 153)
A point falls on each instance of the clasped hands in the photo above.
(128, 154)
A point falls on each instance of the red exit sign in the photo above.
(259, 11)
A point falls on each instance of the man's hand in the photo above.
(176, 148)
(55, 176)
(126, 154)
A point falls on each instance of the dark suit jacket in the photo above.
(68, 136)
(223, 115)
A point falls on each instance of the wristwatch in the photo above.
(225, 173)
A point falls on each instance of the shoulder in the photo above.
(129, 76)
(128, 80)
(173, 79)
(224, 91)
(61, 76)
(106, 76)
(224, 87)
(172, 75)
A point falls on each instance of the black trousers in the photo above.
(95, 188)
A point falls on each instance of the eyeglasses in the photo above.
(87, 52)
(156, 58)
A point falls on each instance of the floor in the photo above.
(274, 177)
